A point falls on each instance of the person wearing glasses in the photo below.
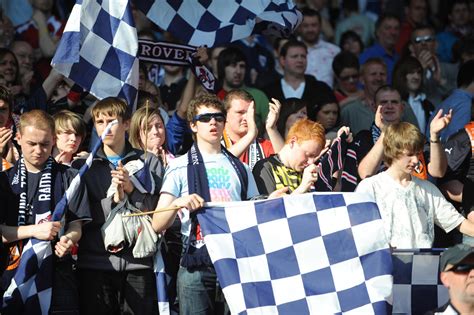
(208, 172)
(409, 206)
(456, 265)
(346, 73)
(439, 77)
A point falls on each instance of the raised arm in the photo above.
(371, 162)
(271, 125)
(242, 145)
(438, 162)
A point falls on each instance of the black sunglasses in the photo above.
(462, 268)
(353, 77)
(422, 39)
(207, 117)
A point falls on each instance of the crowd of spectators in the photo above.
(385, 86)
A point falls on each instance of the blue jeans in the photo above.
(197, 292)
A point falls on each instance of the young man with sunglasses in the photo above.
(456, 273)
(208, 172)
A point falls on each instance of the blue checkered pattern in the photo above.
(311, 253)
(416, 285)
(98, 49)
(31, 287)
(213, 22)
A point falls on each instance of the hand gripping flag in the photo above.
(98, 49)
(214, 22)
(30, 289)
(312, 253)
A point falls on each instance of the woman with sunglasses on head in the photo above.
(346, 73)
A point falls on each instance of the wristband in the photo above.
(435, 141)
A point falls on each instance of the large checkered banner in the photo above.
(98, 49)
(311, 253)
(213, 22)
(416, 285)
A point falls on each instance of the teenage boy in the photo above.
(294, 167)
(112, 283)
(208, 172)
(240, 133)
(409, 206)
(29, 192)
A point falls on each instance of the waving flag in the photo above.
(30, 289)
(311, 253)
(98, 49)
(214, 22)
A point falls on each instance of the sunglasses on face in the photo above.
(462, 268)
(207, 117)
(352, 77)
(423, 39)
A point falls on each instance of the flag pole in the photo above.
(151, 212)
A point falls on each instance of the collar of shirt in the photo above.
(289, 91)
(418, 98)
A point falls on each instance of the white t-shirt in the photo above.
(409, 213)
(224, 184)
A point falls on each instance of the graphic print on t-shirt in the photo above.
(219, 183)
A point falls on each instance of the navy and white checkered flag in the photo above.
(30, 289)
(98, 49)
(311, 253)
(213, 22)
(416, 285)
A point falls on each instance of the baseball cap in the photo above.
(454, 255)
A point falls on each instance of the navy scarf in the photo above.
(198, 183)
(48, 192)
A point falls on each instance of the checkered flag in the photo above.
(311, 253)
(98, 49)
(30, 289)
(213, 22)
(416, 285)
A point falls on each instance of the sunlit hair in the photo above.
(66, 120)
(305, 129)
(38, 119)
(236, 94)
(113, 107)
(137, 123)
(401, 138)
(206, 100)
